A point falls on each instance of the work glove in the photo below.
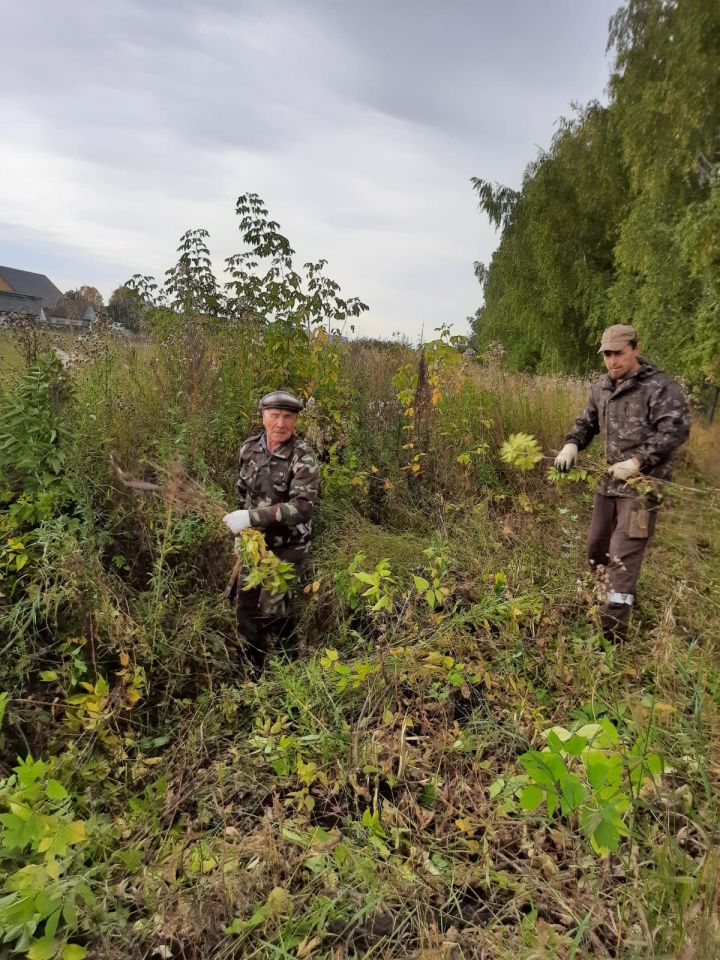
(624, 470)
(567, 457)
(237, 520)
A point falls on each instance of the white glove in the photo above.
(567, 457)
(624, 470)
(237, 520)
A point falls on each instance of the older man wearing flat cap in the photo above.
(276, 489)
(642, 416)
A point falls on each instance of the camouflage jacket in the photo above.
(279, 489)
(645, 416)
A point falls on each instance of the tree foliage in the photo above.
(618, 221)
(73, 304)
(264, 286)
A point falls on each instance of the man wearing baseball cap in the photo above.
(276, 489)
(642, 417)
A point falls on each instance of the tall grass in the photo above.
(358, 801)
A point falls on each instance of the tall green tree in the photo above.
(618, 220)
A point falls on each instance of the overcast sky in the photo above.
(126, 122)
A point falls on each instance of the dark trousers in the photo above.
(261, 617)
(257, 626)
(620, 529)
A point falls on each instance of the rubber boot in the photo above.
(614, 618)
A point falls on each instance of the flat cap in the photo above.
(281, 400)
(617, 337)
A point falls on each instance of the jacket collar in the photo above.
(647, 368)
(283, 451)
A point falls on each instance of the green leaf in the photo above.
(655, 764)
(551, 802)
(535, 765)
(573, 793)
(421, 584)
(365, 578)
(20, 831)
(496, 788)
(65, 835)
(17, 912)
(575, 745)
(69, 910)
(29, 771)
(379, 845)
(597, 772)
(531, 797)
(610, 732)
(51, 924)
(427, 796)
(43, 949)
(555, 764)
(73, 951)
(55, 790)
(604, 828)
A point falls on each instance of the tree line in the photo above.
(619, 220)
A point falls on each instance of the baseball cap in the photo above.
(617, 337)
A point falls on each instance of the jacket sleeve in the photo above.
(586, 426)
(669, 417)
(302, 494)
(241, 486)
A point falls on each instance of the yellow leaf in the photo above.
(415, 467)
(279, 902)
(373, 469)
(124, 659)
(315, 586)
(308, 946)
(78, 829)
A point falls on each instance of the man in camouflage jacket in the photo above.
(276, 491)
(642, 417)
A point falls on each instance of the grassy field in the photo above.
(474, 773)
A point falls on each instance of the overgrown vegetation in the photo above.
(456, 766)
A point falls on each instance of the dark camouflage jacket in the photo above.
(645, 416)
(279, 489)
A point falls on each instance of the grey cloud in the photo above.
(116, 71)
(360, 125)
(448, 65)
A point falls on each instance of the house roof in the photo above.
(25, 284)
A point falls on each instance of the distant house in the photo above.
(25, 292)
(78, 322)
